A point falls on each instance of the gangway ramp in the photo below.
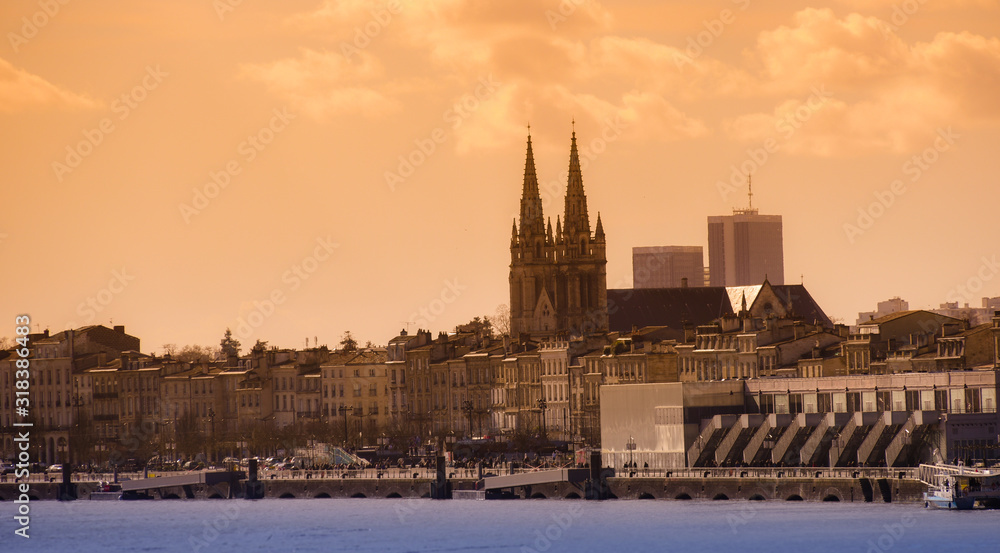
(209, 478)
(535, 477)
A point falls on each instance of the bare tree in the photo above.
(196, 354)
(500, 321)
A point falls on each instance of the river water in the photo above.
(415, 525)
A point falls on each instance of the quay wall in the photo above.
(878, 490)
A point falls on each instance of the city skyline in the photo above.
(335, 166)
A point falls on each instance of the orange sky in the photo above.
(178, 167)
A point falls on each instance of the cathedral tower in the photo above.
(558, 281)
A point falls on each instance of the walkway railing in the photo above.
(473, 473)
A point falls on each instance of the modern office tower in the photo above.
(745, 248)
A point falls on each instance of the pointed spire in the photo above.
(599, 231)
(558, 229)
(513, 231)
(532, 221)
(743, 303)
(575, 219)
(548, 233)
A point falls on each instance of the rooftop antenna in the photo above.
(749, 191)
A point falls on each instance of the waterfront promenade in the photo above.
(807, 484)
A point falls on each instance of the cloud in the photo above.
(20, 91)
(324, 84)
(889, 96)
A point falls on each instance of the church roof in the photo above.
(672, 307)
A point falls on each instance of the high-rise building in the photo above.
(667, 266)
(745, 248)
(558, 281)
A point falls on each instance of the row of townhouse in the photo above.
(93, 392)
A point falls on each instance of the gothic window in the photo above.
(538, 249)
(583, 247)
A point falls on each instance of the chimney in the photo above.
(688, 333)
(684, 282)
(120, 329)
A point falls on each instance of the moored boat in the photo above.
(960, 487)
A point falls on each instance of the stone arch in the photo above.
(287, 495)
(171, 496)
(720, 496)
(359, 495)
(572, 495)
(393, 495)
(322, 495)
(794, 497)
(646, 495)
(683, 496)
(215, 495)
(537, 495)
(831, 498)
(756, 497)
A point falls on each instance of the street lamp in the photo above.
(344, 410)
(469, 408)
(211, 420)
(630, 447)
(541, 407)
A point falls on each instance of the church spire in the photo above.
(599, 231)
(575, 219)
(532, 222)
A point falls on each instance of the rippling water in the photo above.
(381, 525)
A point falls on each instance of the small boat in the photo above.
(960, 487)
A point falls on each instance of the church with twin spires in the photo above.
(558, 279)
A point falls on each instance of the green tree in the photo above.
(230, 346)
(348, 343)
